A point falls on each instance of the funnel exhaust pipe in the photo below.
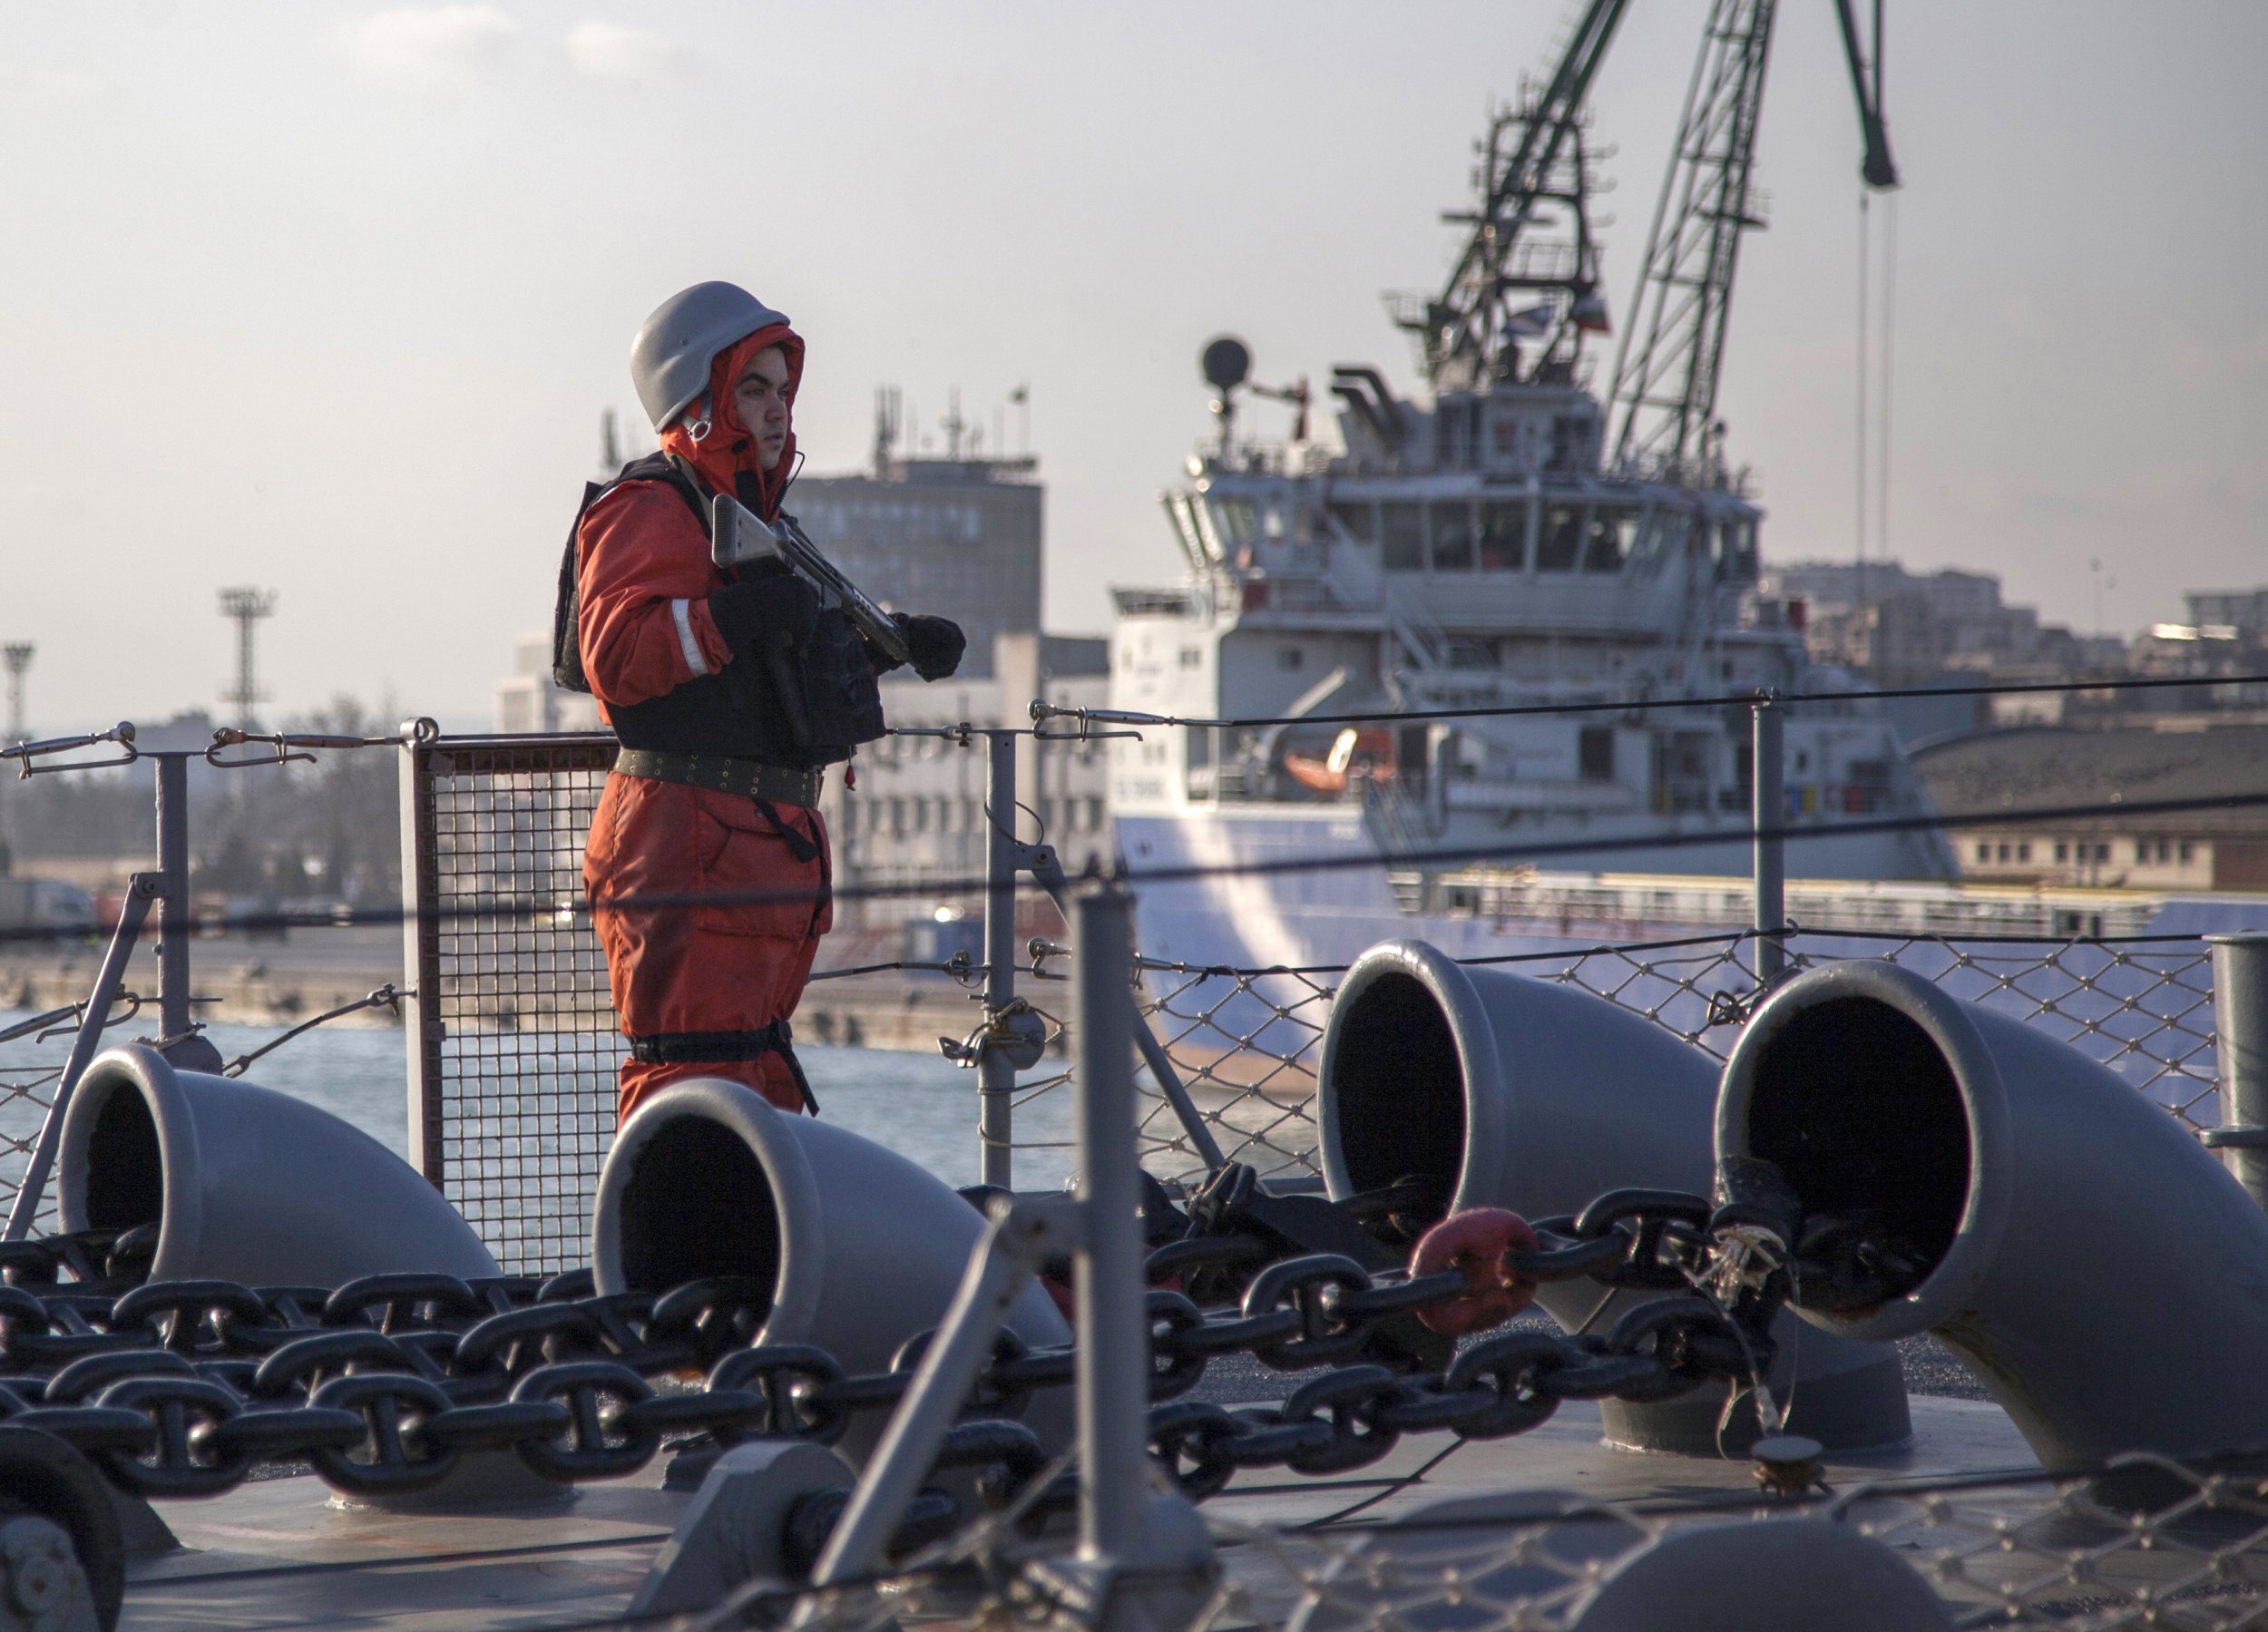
(1963, 1173)
(1521, 1093)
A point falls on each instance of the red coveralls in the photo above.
(644, 575)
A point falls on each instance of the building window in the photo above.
(2023, 852)
(1453, 536)
(1191, 657)
(2003, 856)
(1357, 517)
(2063, 851)
(2102, 851)
(1401, 548)
(1984, 852)
(2186, 850)
(1594, 754)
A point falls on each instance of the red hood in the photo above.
(727, 458)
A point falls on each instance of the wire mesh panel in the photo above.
(515, 1049)
(25, 1094)
(2016, 1550)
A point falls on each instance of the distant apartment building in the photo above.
(1901, 628)
(2243, 612)
(2141, 761)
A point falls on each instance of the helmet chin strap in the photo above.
(698, 426)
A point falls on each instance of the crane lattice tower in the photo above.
(247, 606)
(18, 654)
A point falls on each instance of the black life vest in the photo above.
(814, 711)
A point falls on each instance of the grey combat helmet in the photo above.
(670, 360)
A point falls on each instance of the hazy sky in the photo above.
(328, 298)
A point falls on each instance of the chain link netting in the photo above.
(29, 1072)
(2076, 1554)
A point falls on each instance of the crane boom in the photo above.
(1670, 364)
(1462, 332)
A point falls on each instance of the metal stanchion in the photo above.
(995, 1070)
(1768, 813)
(173, 896)
(1113, 1339)
(1144, 1558)
(2240, 1014)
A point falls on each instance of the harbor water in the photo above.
(919, 1105)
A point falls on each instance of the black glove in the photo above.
(775, 605)
(937, 644)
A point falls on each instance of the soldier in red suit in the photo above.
(732, 690)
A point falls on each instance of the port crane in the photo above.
(1535, 164)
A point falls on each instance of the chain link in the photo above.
(181, 1388)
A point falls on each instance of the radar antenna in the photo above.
(1667, 369)
(1533, 156)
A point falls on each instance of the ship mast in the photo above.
(1533, 156)
(1668, 370)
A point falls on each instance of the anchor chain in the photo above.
(181, 1388)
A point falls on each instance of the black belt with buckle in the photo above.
(724, 774)
(723, 1047)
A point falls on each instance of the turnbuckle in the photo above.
(284, 747)
(23, 752)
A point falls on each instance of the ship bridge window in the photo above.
(1737, 547)
(1358, 516)
(1234, 519)
(1606, 541)
(1503, 537)
(1571, 443)
(1401, 529)
(1453, 536)
(1562, 538)
(1658, 537)
(1185, 528)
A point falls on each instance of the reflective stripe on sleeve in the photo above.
(683, 611)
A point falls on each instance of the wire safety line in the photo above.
(1642, 705)
(555, 908)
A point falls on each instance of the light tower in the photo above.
(19, 659)
(248, 606)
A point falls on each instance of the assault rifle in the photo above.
(738, 537)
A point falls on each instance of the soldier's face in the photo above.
(760, 395)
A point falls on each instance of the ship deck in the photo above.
(286, 1553)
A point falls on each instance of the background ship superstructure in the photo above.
(1513, 540)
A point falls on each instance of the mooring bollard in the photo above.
(2240, 1013)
